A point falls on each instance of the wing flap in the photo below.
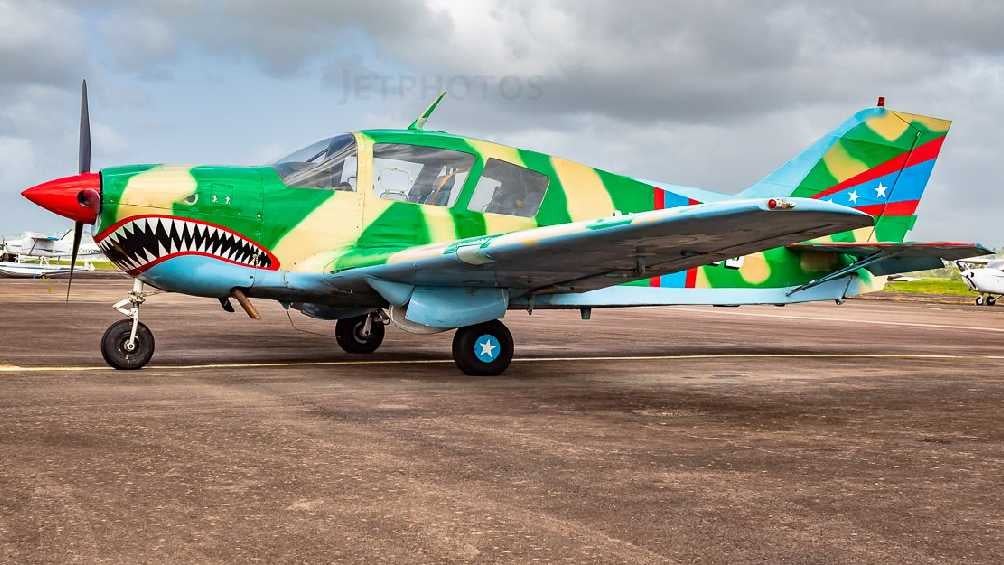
(885, 258)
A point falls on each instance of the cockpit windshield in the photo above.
(329, 163)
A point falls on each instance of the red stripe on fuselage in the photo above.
(692, 272)
(923, 153)
(658, 203)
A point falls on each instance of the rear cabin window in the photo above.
(329, 163)
(505, 188)
(422, 175)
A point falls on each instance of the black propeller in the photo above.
(84, 166)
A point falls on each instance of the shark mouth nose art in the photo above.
(140, 242)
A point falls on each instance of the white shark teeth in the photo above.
(141, 241)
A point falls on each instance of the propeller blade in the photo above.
(78, 232)
(85, 132)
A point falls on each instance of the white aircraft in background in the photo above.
(32, 244)
(16, 254)
(985, 276)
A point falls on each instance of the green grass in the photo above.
(953, 287)
(98, 265)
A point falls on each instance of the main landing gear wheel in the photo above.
(991, 300)
(979, 300)
(363, 334)
(484, 349)
(120, 353)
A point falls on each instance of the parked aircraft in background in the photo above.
(48, 246)
(32, 270)
(28, 255)
(432, 231)
(985, 277)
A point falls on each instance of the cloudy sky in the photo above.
(710, 94)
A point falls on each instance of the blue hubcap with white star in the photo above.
(487, 348)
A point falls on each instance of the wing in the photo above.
(599, 253)
(975, 261)
(890, 258)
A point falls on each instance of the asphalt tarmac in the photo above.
(868, 432)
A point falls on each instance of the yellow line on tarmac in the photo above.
(251, 365)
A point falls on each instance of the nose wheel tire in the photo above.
(351, 335)
(483, 350)
(115, 345)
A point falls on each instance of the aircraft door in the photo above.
(312, 208)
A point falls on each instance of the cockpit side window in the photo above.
(418, 174)
(505, 188)
(330, 163)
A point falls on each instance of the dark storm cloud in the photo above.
(281, 37)
(639, 62)
(30, 53)
(706, 93)
(686, 61)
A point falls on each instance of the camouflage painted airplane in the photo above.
(432, 231)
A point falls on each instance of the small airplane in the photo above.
(432, 231)
(14, 254)
(26, 270)
(985, 277)
(32, 244)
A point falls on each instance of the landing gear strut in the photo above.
(483, 350)
(128, 344)
(362, 334)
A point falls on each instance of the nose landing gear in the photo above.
(128, 344)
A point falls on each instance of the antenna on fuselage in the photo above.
(419, 122)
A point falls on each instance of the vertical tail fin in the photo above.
(878, 161)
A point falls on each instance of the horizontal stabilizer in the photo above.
(891, 258)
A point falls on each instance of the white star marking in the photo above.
(487, 349)
(853, 196)
(880, 190)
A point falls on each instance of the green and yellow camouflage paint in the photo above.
(878, 161)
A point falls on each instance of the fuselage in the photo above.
(282, 231)
(986, 280)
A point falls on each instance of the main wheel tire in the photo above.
(115, 352)
(979, 301)
(484, 349)
(991, 300)
(349, 335)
